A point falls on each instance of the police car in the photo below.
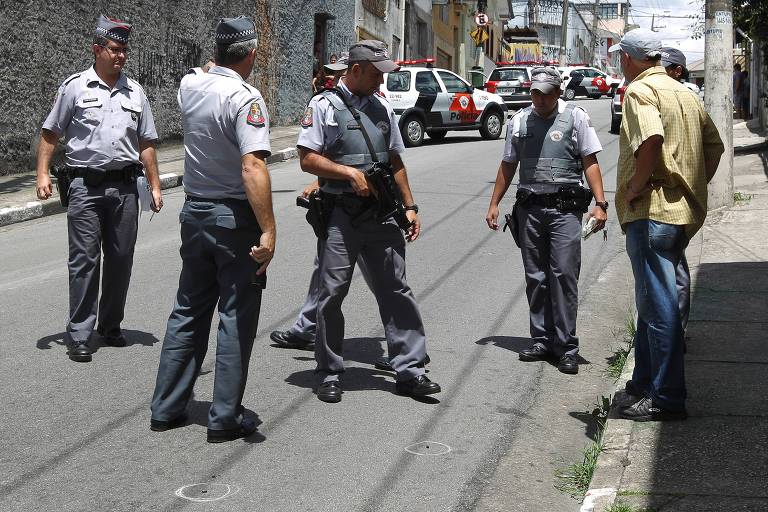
(432, 101)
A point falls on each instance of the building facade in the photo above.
(168, 38)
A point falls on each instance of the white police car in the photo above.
(432, 101)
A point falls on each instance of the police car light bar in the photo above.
(415, 62)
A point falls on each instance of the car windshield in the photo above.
(399, 81)
(501, 75)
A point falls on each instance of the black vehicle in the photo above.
(573, 85)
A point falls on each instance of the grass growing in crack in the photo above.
(623, 507)
(626, 341)
(740, 197)
(574, 479)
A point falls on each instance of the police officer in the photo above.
(332, 146)
(556, 146)
(227, 236)
(109, 132)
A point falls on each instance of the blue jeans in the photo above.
(655, 249)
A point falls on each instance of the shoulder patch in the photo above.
(306, 119)
(255, 115)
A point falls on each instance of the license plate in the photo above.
(507, 90)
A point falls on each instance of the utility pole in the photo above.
(594, 32)
(626, 15)
(718, 92)
(653, 18)
(564, 35)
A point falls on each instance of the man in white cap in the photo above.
(668, 150)
(557, 147)
(109, 133)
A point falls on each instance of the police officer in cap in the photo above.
(332, 146)
(109, 134)
(227, 236)
(556, 146)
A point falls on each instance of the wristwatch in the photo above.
(413, 207)
(603, 205)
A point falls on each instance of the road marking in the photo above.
(206, 492)
(428, 448)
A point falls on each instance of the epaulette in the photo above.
(76, 75)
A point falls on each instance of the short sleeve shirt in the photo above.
(101, 125)
(584, 137)
(320, 129)
(224, 118)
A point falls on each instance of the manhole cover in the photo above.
(428, 448)
(206, 492)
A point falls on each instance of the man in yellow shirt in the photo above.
(668, 150)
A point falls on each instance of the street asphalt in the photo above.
(75, 437)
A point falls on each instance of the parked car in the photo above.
(594, 84)
(432, 101)
(614, 78)
(512, 83)
(618, 99)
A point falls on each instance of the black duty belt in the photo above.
(218, 200)
(123, 174)
(545, 200)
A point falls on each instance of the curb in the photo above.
(617, 438)
(37, 209)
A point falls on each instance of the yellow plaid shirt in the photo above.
(656, 104)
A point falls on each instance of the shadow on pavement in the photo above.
(718, 458)
(519, 344)
(132, 337)
(353, 379)
(197, 412)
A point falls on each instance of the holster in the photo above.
(318, 211)
(63, 181)
(510, 220)
(574, 198)
(389, 199)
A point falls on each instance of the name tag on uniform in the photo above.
(353, 125)
(90, 100)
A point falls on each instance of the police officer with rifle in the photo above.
(556, 146)
(350, 140)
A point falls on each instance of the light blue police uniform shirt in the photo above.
(101, 126)
(324, 129)
(224, 118)
(584, 138)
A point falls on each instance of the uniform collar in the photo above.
(344, 89)
(560, 109)
(122, 82)
(224, 71)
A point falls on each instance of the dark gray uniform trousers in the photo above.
(216, 238)
(550, 243)
(100, 219)
(306, 324)
(383, 247)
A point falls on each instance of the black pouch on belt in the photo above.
(574, 198)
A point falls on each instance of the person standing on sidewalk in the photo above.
(668, 150)
(227, 236)
(332, 146)
(557, 147)
(109, 134)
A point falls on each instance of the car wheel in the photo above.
(437, 134)
(413, 132)
(569, 94)
(492, 126)
(615, 124)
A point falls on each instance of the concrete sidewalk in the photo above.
(18, 201)
(717, 460)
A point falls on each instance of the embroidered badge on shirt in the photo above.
(255, 116)
(306, 119)
(383, 127)
(556, 136)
